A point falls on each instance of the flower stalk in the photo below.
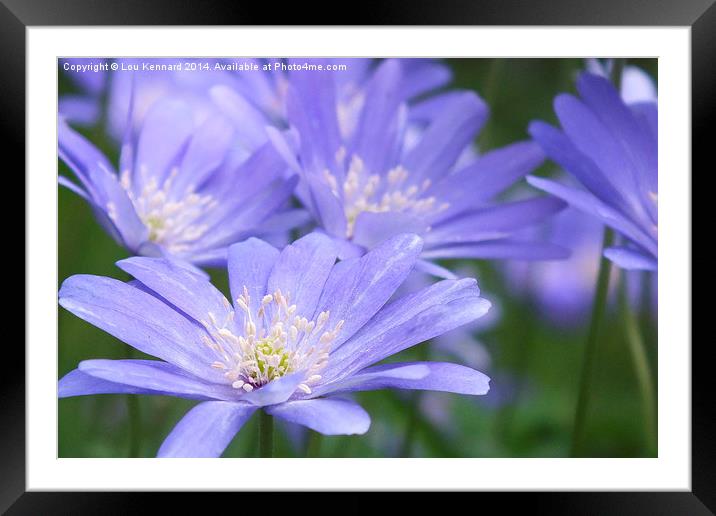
(598, 308)
(642, 370)
(265, 435)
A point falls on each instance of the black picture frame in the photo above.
(17, 15)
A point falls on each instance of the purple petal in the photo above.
(79, 110)
(166, 130)
(327, 207)
(100, 182)
(446, 138)
(207, 150)
(489, 175)
(206, 430)
(248, 121)
(77, 383)
(560, 149)
(423, 75)
(301, 271)
(377, 132)
(631, 259)
(139, 319)
(250, 264)
(311, 108)
(357, 288)
(586, 202)
(189, 292)
(431, 376)
(276, 391)
(373, 228)
(638, 145)
(495, 221)
(407, 321)
(589, 135)
(157, 377)
(328, 416)
(504, 249)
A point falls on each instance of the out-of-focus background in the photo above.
(532, 345)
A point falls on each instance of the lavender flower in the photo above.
(180, 191)
(611, 148)
(372, 185)
(302, 329)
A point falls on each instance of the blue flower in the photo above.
(611, 148)
(301, 330)
(181, 191)
(379, 182)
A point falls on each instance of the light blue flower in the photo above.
(301, 330)
(181, 190)
(611, 149)
(376, 183)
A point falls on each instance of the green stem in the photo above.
(313, 444)
(640, 360)
(617, 69)
(265, 435)
(135, 419)
(598, 309)
(490, 94)
(135, 425)
(413, 420)
(406, 447)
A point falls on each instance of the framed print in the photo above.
(370, 257)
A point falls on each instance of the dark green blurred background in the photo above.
(541, 362)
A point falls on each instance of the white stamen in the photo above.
(364, 192)
(172, 220)
(274, 342)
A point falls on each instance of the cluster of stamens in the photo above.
(172, 222)
(275, 342)
(363, 192)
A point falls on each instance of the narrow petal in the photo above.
(561, 150)
(157, 377)
(301, 271)
(357, 288)
(192, 294)
(77, 383)
(206, 430)
(377, 131)
(166, 130)
(431, 376)
(207, 150)
(276, 391)
(504, 249)
(248, 121)
(494, 221)
(250, 264)
(631, 259)
(446, 138)
(373, 228)
(99, 180)
(328, 416)
(486, 177)
(139, 319)
(407, 321)
(586, 202)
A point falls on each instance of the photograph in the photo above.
(357, 257)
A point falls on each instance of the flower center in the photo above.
(275, 341)
(173, 222)
(364, 192)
